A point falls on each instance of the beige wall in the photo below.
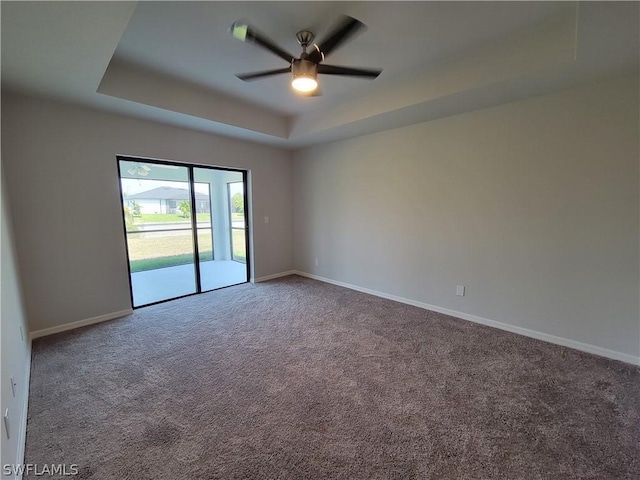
(532, 205)
(16, 348)
(63, 185)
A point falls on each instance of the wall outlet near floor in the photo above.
(13, 386)
(460, 290)
(266, 219)
(316, 262)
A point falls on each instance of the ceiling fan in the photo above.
(305, 69)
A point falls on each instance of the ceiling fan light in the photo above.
(304, 75)
(304, 83)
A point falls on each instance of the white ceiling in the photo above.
(175, 62)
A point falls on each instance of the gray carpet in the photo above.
(296, 379)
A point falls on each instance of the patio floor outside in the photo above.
(165, 283)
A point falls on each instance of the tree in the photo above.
(128, 220)
(137, 211)
(185, 208)
(238, 203)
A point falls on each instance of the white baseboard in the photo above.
(275, 275)
(80, 323)
(565, 342)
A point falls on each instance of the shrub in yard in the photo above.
(128, 220)
(185, 209)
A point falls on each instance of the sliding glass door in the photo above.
(180, 226)
(223, 268)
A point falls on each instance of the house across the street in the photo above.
(166, 200)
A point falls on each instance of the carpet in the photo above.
(298, 379)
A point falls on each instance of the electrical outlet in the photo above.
(460, 290)
(316, 262)
(13, 387)
(266, 219)
(21, 334)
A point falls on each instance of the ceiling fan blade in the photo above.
(247, 77)
(247, 33)
(346, 28)
(352, 72)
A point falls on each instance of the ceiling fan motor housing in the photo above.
(304, 68)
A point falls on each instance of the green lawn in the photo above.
(166, 251)
(239, 246)
(168, 218)
(172, 250)
(163, 262)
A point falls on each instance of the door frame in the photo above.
(194, 234)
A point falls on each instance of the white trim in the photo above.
(22, 437)
(565, 342)
(275, 275)
(80, 323)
